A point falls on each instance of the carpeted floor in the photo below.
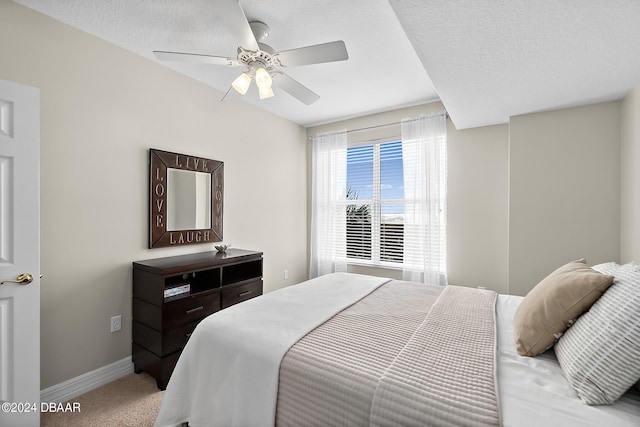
(133, 400)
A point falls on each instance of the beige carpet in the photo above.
(133, 400)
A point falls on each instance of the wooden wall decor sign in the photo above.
(186, 196)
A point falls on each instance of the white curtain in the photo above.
(424, 157)
(328, 204)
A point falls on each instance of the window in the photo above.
(394, 211)
(375, 210)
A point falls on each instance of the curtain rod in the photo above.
(387, 124)
(373, 127)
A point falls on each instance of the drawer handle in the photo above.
(241, 294)
(193, 310)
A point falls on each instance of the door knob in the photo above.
(23, 279)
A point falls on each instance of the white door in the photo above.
(19, 254)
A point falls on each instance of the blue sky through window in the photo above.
(391, 176)
(360, 177)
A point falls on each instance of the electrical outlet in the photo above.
(116, 323)
(286, 274)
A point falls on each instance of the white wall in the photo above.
(630, 178)
(564, 191)
(102, 108)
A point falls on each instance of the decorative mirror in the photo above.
(186, 198)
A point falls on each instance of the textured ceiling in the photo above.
(492, 59)
(374, 78)
(488, 59)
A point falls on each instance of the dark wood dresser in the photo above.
(172, 295)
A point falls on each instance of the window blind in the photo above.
(375, 209)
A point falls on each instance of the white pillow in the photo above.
(600, 353)
(607, 268)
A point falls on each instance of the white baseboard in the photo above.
(86, 382)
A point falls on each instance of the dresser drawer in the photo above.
(237, 294)
(176, 339)
(189, 309)
(162, 343)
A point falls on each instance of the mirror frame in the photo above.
(159, 162)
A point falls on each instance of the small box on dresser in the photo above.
(196, 286)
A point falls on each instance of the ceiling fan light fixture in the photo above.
(263, 79)
(265, 92)
(241, 83)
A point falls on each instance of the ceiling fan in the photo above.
(260, 61)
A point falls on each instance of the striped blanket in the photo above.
(408, 354)
(342, 349)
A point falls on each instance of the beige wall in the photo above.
(630, 178)
(476, 197)
(477, 232)
(564, 191)
(102, 108)
(524, 197)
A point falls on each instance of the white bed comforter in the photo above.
(228, 372)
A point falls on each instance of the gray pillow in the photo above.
(600, 353)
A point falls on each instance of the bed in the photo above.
(348, 349)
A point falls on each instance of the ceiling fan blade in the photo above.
(316, 54)
(235, 21)
(294, 88)
(194, 57)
